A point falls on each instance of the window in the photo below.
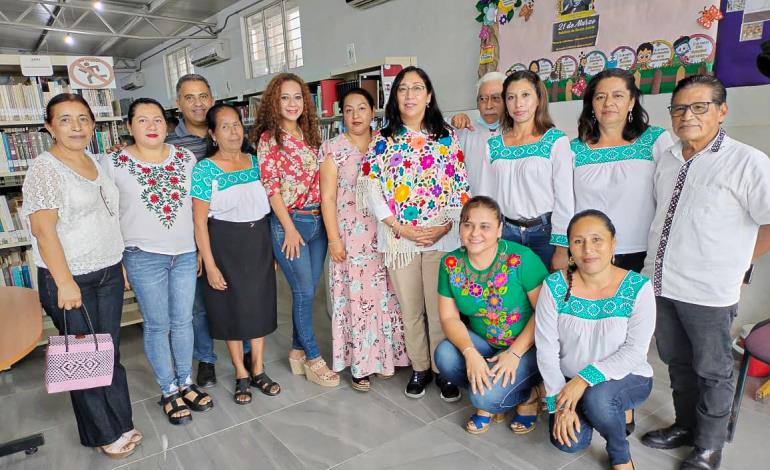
(274, 38)
(177, 65)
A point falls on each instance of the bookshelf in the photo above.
(22, 138)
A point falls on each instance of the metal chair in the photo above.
(757, 345)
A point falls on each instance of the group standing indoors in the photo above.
(367, 331)
(615, 155)
(711, 223)
(160, 256)
(531, 162)
(232, 230)
(473, 135)
(289, 137)
(593, 330)
(495, 283)
(413, 181)
(71, 207)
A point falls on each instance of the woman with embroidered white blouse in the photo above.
(593, 329)
(615, 157)
(532, 165)
(160, 255)
(71, 208)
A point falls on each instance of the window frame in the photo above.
(246, 35)
(190, 68)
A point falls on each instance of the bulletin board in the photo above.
(745, 26)
(568, 41)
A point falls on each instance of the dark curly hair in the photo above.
(269, 114)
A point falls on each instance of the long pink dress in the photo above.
(367, 331)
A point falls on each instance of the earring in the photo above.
(571, 261)
(630, 117)
(214, 142)
(613, 259)
(593, 116)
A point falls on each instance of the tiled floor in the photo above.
(309, 427)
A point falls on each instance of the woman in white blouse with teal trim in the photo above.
(615, 157)
(532, 171)
(592, 331)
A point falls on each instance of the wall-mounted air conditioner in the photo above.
(211, 53)
(133, 81)
(364, 3)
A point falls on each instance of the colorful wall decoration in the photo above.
(568, 41)
(745, 26)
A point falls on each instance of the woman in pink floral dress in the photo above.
(367, 331)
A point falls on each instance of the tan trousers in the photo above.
(416, 286)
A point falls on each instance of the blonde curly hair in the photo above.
(269, 114)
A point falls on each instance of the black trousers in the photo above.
(102, 413)
(631, 261)
(694, 341)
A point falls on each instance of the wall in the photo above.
(442, 34)
(443, 37)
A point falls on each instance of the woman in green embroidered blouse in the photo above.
(495, 282)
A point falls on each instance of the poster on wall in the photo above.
(567, 43)
(745, 26)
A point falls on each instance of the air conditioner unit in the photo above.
(364, 3)
(211, 53)
(133, 81)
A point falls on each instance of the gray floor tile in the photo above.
(327, 430)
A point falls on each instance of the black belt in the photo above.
(543, 219)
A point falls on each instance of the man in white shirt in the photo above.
(711, 222)
(473, 136)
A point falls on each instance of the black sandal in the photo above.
(265, 384)
(631, 426)
(198, 396)
(174, 400)
(242, 390)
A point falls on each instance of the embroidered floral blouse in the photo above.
(419, 180)
(292, 171)
(495, 298)
(155, 206)
(597, 339)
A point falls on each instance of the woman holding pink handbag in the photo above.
(71, 207)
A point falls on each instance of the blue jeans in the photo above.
(603, 407)
(203, 347)
(537, 238)
(302, 274)
(165, 288)
(102, 413)
(499, 399)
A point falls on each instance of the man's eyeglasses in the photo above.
(484, 99)
(104, 200)
(701, 107)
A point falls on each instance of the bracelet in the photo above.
(466, 349)
(512, 353)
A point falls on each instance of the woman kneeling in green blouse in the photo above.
(495, 282)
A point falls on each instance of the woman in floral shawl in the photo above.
(413, 181)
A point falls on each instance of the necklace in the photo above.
(300, 137)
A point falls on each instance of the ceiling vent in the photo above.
(364, 3)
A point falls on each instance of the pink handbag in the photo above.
(77, 362)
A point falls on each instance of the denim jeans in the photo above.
(694, 342)
(499, 399)
(603, 407)
(203, 347)
(102, 413)
(537, 238)
(302, 274)
(165, 288)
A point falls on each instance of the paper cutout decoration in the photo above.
(527, 9)
(709, 15)
(487, 54)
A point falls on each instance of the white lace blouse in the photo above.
(88, 226)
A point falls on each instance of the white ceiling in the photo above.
(17, 39)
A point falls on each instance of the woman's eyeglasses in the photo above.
(104, 200)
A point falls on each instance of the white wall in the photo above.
(444, 37)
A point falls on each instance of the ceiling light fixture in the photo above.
(99, 6)
(68, 39)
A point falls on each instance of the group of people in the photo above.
(494, 255)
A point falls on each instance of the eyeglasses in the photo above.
(104, 200)
(484, 99)
(416, 89)
(678, 110)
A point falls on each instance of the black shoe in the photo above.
(702, 459)
(416, 386)
(207, 376)
(630, 427)
(668, 438)
(450, 392)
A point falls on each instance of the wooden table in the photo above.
(21, 320)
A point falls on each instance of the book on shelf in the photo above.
(20, 145)
(18, 269)
(11, 228)
(104, 138)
